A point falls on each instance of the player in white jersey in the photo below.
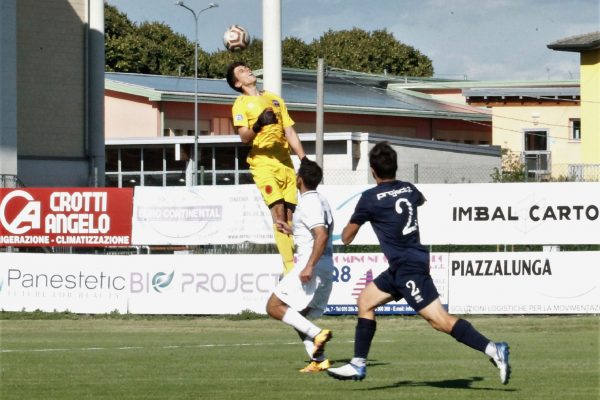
(304, 292)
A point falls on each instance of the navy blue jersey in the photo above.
(391, 208)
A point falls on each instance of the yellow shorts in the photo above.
(276, 182)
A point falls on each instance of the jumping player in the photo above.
(262, 120)
(391, 208)
(304, 292)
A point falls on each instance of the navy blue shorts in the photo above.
(417, 288)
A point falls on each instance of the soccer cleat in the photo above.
(501, 361)
(316, 366)
(348, 372)
(319, 341)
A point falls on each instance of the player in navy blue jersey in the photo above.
(391, 208)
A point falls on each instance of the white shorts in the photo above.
(314, 294)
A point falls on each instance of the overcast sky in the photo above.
(479, 39)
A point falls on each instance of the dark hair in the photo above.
(231, 76)
(311, 174)
(384, 160)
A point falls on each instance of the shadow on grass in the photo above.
(445, 384)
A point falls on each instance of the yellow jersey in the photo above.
(270, 143)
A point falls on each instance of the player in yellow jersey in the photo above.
(262, 121)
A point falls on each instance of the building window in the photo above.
(536, 140)
(168, 165)
(575, 129)
(131, 159)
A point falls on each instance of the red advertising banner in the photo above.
(81, 217)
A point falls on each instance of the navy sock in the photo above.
(464, 332)
(363, 336)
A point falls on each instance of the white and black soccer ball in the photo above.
(235, 38)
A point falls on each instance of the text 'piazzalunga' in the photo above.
(501, 267)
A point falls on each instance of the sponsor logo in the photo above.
(228, 283)
(362, 283)
(196, 213)
(394, 193)
(501, 267)
(17, 278)
(161, 280)
(239, 117)
(536, 213)
(27, 218)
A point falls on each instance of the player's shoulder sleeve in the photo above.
(238, 112)
(313, 213)
(361, 211)
(418, 196)
(279, 103)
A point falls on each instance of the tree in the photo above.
(357, 50)
(512, 170)
(151, 48)
(372, 52)
(297, 54)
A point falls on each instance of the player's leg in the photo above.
(270, 181)
(279, 310)
(283, 241)
(318, 362)
(286, 177)
(370, 298)
(465, 333)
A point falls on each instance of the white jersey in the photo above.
(313, 210)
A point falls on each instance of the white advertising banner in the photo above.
(511, 213)
(354, 271)
(525, 283)
(507, 213)
(202, 284)
(200, 215)
(53, 282)
(468, 283)
(177, 284)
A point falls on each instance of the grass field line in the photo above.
(208, 345)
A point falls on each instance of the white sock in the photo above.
(300, 323)
(490, 350)
(359, 362)
(310, 347)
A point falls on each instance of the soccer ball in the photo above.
(236, 38)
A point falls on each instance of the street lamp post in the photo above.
(195, 14)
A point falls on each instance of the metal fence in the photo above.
(565, 173)
(416, 173)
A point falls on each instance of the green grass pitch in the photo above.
(553, 357)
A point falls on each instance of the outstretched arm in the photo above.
(349, 233)
(294, 141)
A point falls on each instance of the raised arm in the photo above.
(294, 141)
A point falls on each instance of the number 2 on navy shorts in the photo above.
(417, 289)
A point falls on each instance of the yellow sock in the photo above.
(285, 246)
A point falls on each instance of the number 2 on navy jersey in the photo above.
(411, 222)
(414, 290)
